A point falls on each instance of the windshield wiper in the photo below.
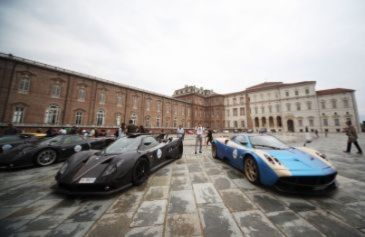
(272, 147)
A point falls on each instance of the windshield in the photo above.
(123, 144)
(269, 142)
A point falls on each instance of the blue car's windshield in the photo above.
(269, 142)
(123, 144)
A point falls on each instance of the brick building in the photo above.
(36, 95)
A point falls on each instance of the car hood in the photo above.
(294, 159)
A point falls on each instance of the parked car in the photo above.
(48, 151)
(126, 162)
(266, 160)
(8, 142)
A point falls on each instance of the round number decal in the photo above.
(6, 147)
(235, 154)
(159, 153)
(77, 148)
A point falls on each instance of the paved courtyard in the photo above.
(194, 196)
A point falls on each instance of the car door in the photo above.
(239, 150)
(154, 150)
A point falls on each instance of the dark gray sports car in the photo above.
(47, 151)
(127, 161)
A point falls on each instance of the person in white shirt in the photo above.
(180, 132)
(62, 131)
(199, 138)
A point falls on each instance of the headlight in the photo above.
(109, 170)
(6, 147)
(63, 168)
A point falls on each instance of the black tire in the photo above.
(180, 152)
(46, 157)
(251, 170)
(140, 171)
(214, 151)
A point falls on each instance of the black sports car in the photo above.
(8, 142)
(48, 151)
(127, 161)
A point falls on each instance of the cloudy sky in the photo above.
(161, 45)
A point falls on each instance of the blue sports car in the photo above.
(266, 160)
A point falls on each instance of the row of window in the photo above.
(24, 87)
(53, 112)
(333, 103)
(236, 123)
(241, 110)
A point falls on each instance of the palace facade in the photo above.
(35, 95)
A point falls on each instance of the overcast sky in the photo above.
(161, 45)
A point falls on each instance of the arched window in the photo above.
(134, 118)
(78, 117)
(100, 117)
(52, 114)
(147, 121)
(24, 84)
(18, 114)
(56, 91)
(119, 100)
(159, 106)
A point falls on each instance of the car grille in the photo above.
(308, 180)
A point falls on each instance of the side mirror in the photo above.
(226, 141)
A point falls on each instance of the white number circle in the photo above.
(77, 148)
(159, 153)
(235, 154)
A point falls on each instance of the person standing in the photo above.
(62, 131)
(209, 136)
(180, 132)
(131, 128)
(352, 138)
(199, 138)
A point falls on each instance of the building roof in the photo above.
(333, 91)
(272, 85)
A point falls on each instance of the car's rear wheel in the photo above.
(251, 170)
(140, 171)
(46, 157)
(214, 151)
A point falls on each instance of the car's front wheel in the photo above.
(46, 157)
(140, 171)
(251, 170)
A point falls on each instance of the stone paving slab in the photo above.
(150, 213)
(181, 202)
(235, 200)
(217, 221)
(206, 193)
(183, 225)
(112, 224)
(256, 224)
(293, 225)
(150, 231)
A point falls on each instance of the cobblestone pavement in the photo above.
(194, 196)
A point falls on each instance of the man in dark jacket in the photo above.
(352, 138)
